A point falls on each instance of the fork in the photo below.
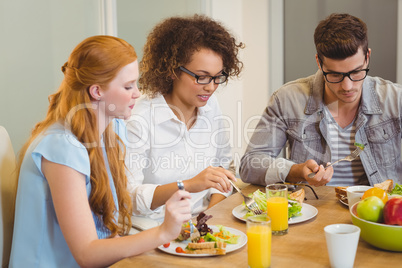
(349, 158)
(250, 203)
(180, 184)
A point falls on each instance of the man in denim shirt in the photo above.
(320, 118)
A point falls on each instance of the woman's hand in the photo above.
(177, 211)
(211, 177)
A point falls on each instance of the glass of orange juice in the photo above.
(259, 235)
(277, 208)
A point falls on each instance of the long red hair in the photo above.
(96, 60)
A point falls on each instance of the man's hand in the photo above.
(299, 172)
(322, 176)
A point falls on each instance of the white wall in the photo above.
(243, 100)
(399, 45)
(380, 17)
(136, 18)
(39, 35)
(36, 40)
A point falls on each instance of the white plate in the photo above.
(229, 247)
(343, 202)
(308, 212)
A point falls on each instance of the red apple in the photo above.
(393, 211)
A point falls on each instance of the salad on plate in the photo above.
(294, 205)
(205, 239)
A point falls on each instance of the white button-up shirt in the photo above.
(161, 150)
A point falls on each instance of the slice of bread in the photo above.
(220, 244)
(343, 198)
(211, 251)
(298, 195)
(387, 185)
(214, 248)
(341, 194)
(341, 190)
(202, 245)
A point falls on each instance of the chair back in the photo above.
(8, 189)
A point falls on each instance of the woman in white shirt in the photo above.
(177, 131)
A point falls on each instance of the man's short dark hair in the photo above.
(339, 36)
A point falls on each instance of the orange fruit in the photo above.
(376, 192)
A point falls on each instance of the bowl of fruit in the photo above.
(379, 217)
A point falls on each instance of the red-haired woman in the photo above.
(72, 192)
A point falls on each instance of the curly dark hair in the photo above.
(339, 36)
(172, 43)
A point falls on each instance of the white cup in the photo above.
(355, 193)
(342, 240)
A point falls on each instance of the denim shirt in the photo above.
(294, 119)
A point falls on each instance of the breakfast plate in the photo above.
(343, 202)
(229, 247)
(308, 212)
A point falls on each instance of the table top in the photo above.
(303, 246)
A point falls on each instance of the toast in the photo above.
(215, 248)
(298, 195)
(341, 190)
(341, 193)
(203, 245)
(387, 185)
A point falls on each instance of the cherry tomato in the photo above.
(376, 192)
(179, 250)
(166, 245)
(201, 240)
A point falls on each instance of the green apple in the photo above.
(371, 209)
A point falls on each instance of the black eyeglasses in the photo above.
(206, 79)
(336, 77)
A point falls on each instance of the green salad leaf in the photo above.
(361, 146)
(397, 189)
(209, 237)
(260, 198)
(223, 235)
(294, 209)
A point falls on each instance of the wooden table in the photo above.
(303, 246)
